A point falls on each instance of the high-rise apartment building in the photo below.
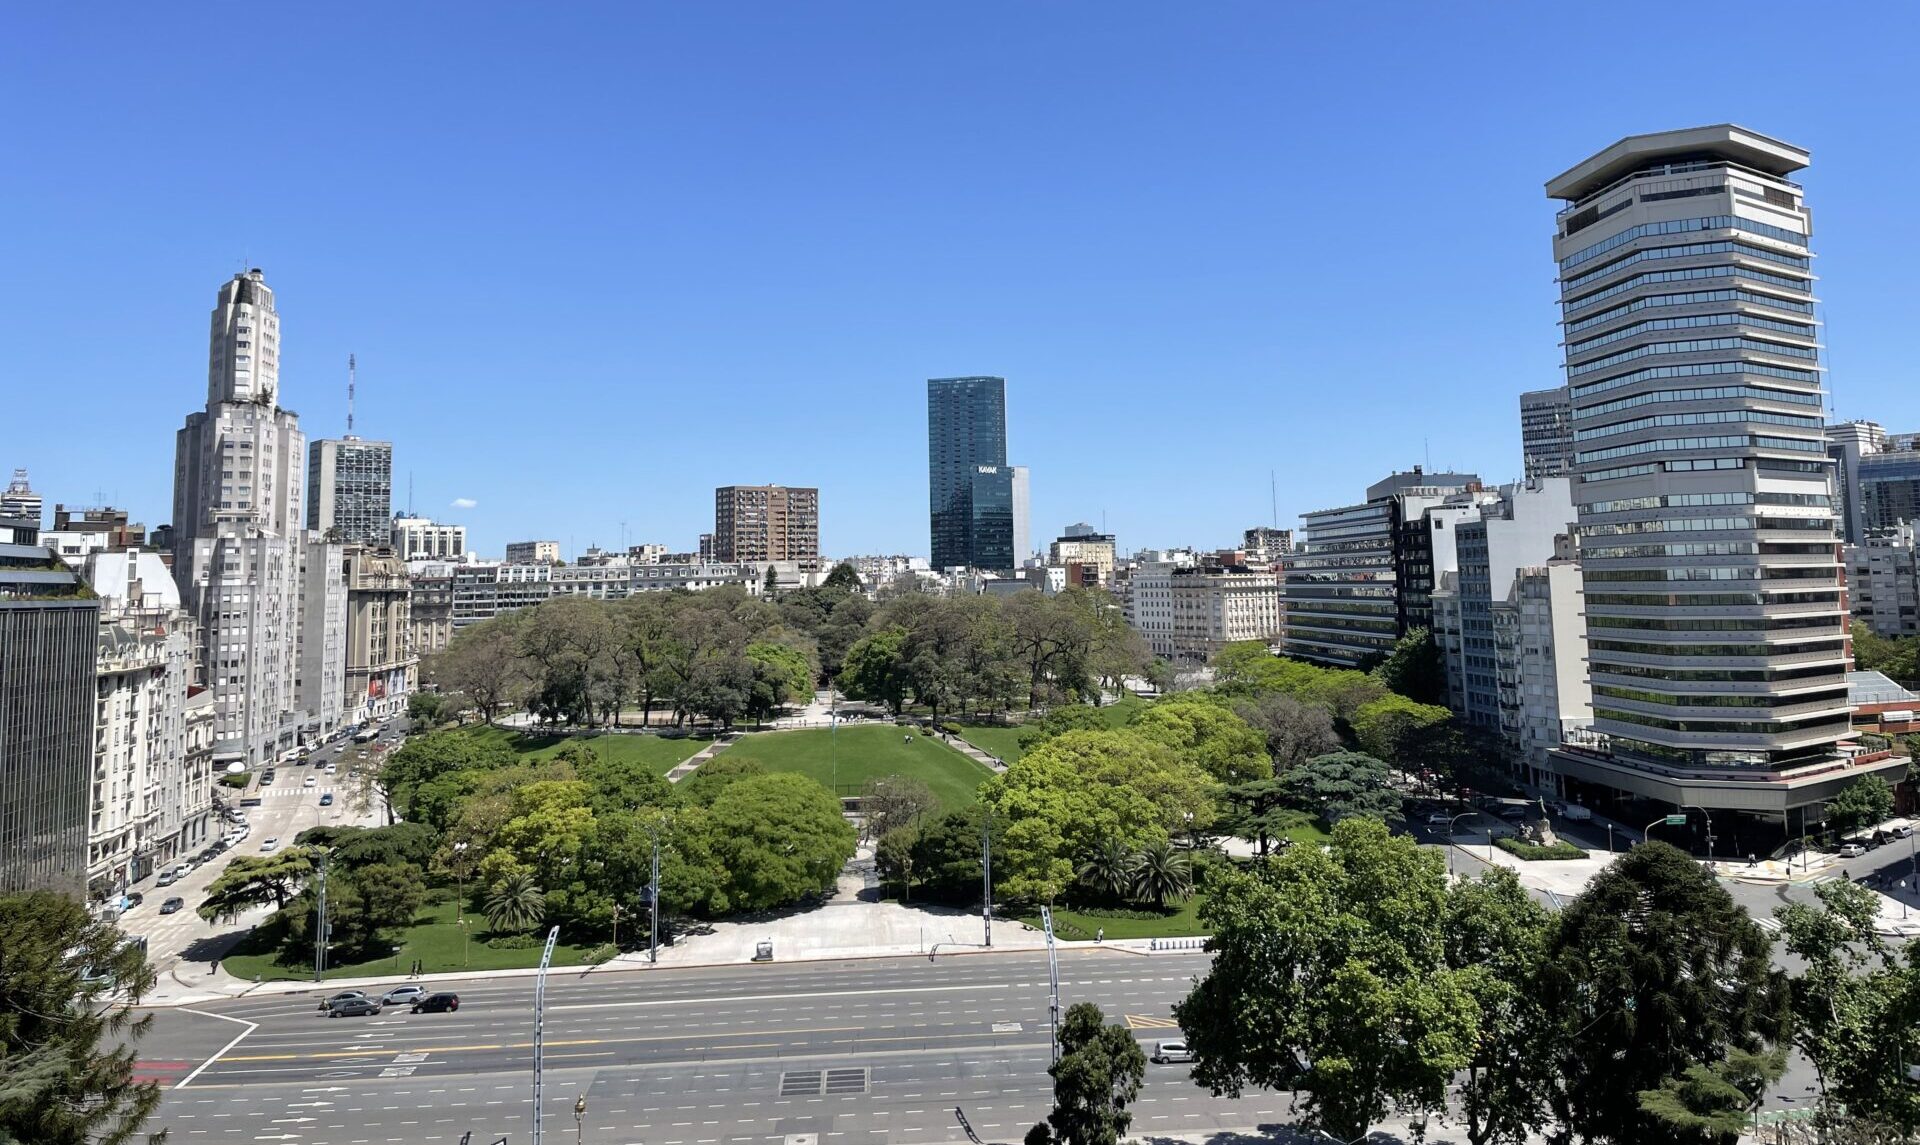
(48, 629)
(533, 552)
(1546, 432)
(1888, 491)
(418, 539)
(237, 534)
(19, 502)
(350, 490)
(977, 503)
(1364, 573)
(1883, 579)
(1847, 443)
(1092, 552)
(1265, 545)
(1716, 611)
(767, 523)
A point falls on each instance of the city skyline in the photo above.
(1124, 306)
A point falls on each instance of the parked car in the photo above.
(403, 994)
(1514, 811)
(437, 1003)
(353, 1008)
(166, 879)
(1576, 812)
(266, 778)
(329, 1002)
(1852, 851)
(134, 899)
(1439, 819)
(172, 904)
(326, 799)
(1171, 1051)
(267, 845)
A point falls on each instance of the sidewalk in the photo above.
(990, 762)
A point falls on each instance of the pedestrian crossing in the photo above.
(294, 792)
(1769, 924)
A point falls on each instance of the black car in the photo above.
(134, 899)
(437, 1003)
(353, 1008)
(172, 904)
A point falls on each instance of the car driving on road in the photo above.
(329, 1002)
(353, 1008)
(403, 994)
(1171, 1051)
(173, 904)
(437, 1003)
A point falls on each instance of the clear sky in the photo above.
(598, 259)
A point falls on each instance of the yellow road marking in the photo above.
(1147, 1022)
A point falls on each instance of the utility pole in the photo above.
(1053, 982)
(539, 1022)
(986, 875)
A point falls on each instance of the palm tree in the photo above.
(516, 903)
(1109, 870)
(1162, 872)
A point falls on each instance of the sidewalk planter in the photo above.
(1533, 852)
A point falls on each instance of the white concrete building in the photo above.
(1214, 607)
(1884, 578)
(322, 646)
(151, 802)
(1544, 689)
(237, 537)
(1716, 619)
(419, 539)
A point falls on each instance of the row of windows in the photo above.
(1770, 727)
(1719, 675)
(1712, 624)
(1703, 394)
(1697, 370)
(1711, 417)
(1702, 549)
(1690, 250)
(1680, 227)
(1710, 525)
(1691, 274)
(1689, 700)
(1690, 322)
(1690, 298)
(1688, 500)
(1707, 573)
(1693, 346)
(1741, 441)
(1640, 649)
(1711, 599)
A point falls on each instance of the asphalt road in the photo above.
(850, 1052)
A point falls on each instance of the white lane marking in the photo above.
(771, 997)
(250, 1027)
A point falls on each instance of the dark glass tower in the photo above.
(966, 429)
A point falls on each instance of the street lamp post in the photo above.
(1450, 823)
(1709, 818)
(580, 1118)
(460, 877)
(986, 876)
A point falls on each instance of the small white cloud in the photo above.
(464, 502)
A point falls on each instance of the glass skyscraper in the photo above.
(966, 433)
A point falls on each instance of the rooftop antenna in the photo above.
(409, 492)
(1426, 448)
(1273, 495)
(350, 369)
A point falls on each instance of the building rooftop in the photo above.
(1724, 140)
(1876, 688)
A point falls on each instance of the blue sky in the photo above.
(597, 259)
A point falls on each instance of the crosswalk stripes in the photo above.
(1148, 1022)
(1827, 879)
(1769, 924)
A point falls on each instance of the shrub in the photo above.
(951, 729)
(605, 952)
(236, 780)
(515, 941)
(1561, 849)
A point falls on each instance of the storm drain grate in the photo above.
(847, 1080)
(800, 1083)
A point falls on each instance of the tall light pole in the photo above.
(1450, 823)
(580, 1118)
(320, 919)
(460, 877)
(1053, 982)
(653, 897)
(539, 1027)
(986, 874)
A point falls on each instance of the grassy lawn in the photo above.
(1005, 742)
(434, 940)
(1080, 926)
(656, 752)
(864, 753)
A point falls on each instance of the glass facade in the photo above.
(966, 429)
(350, 489)
(990, 518)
